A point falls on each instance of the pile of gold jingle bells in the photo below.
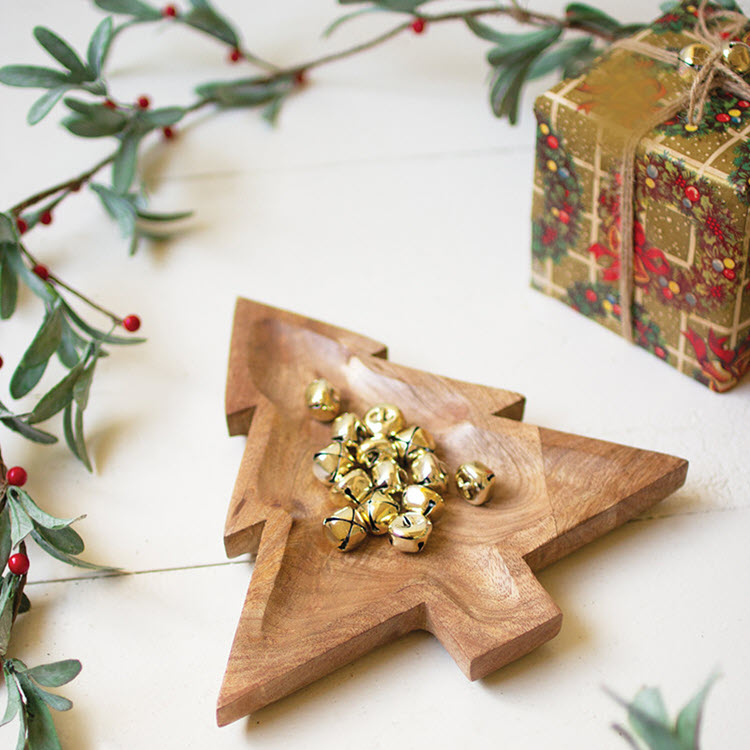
(387, 473)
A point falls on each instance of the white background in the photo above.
(389, 165)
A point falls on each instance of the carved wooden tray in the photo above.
(311, 609)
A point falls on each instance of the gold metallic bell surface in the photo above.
(322, 399)
(387, 474)
(384, 419)
(379, 510)
(419, 499)
(331, 463)
(694, 55)
(409, 532)
(348, 427)
(345, 529)
(413, 441)
(475, 482)
(355, 486)
(737, 57)
(374, 449)
(429, 471)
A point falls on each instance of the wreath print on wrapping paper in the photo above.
(557, 229)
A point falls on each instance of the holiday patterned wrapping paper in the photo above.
(691, 304)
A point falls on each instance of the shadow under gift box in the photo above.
(691, 200)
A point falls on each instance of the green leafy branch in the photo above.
(650, 724)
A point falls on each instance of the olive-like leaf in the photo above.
(71, 345)
(5, 544)
(163, 116)
(36, 514)
(249, 92)
(20, 523)
(689, 718)
(40, 288)
(123, 167)
(559, 57)
(16, 424)
(24, 605)
(14, 704)
(66, 558)
(33, 77)
(82, 386)
(152, 216)
(55, 702)
(135, 8)
(66, 540)
(41, 729)
(34, 361)
(97, 123)
(206, 19)
(8, 288)
(95, 333)
(99, 45)
(56, 674)
(7, 597)
(62, 52)
(42, 106)
(519, 48)
(57, 398)
(118, 207)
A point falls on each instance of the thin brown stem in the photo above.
(70, 185)
(54, 279)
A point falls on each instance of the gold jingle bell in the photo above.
(408, 532)
(379, 510)
(412, 442)
(475, 482)
(331, 463)
(354, 486)
(374, 449)
(429, 471)
(322, 399)
(345, 529)
(348, 428)
(388, 475)
(419, 499)
(384, 419)
(737, 57)
(692, 58)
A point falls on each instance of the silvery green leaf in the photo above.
(163, 116)
(25, 604)
(689, 719)
(123, 167)
(42, 106)
(40, 517)
(41, 729)
(347, 17)
(176, 216)
(34, 361)
(57, 398)
(20, 523)
(55, 702)
(71, 345)
(207, 19)
(82, 386)
(99, 45)
(16, 424)
(13, 696)
(99, 122)
(66, 558)
(8, 288)
(558, 57)
(136, 8)
(56, 674)
(5, 543)
(40, 288)
(118, 207)
(66, 540)
(271, 111)
(62, 52)
(7, 598)
(8, 231)
(522, 48)
(483, 31)
(95, 333)
(33, 77)
(249, 92)
(74, 439)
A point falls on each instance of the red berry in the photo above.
(109, 104)
(16, 476)
(1, 361)
(144, 102)
(18, 564)
(132, 323)
(418, 25)
(591, 295)
(692, 194)
(729, 274)
(300, 77)
(46, 218)
(22, 225)
(235, 55)
(552, 142)
(41, 271)
(723, 117)
(168, 132)
(169, 11)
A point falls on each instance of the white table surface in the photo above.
(393, 156)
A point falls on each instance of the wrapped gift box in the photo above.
(691, 297)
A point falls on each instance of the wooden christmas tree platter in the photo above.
(309, 608)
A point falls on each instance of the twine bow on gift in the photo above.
(713, 71)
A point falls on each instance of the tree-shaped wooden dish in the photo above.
(309, 608)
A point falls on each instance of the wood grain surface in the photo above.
(310, 609)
